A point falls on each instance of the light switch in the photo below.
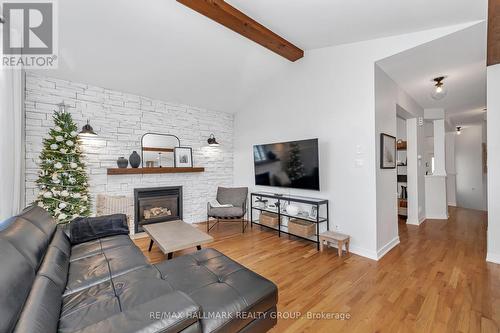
(359, 162)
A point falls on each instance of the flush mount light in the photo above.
(439, 91)
(459, 130)
(87, 130)
(212, 141)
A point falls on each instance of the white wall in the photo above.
(329, 94)
(493, 136)
(401, 128)
(451, 172)
(469, 167)
(390, 101)
(386, 94)
(120, 119)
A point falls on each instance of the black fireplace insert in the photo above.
(157, 204)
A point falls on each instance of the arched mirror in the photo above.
(158, 150)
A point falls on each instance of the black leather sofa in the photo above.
(106, 285)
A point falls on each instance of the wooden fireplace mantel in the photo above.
(142, 171)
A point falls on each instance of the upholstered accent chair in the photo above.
(235, 200)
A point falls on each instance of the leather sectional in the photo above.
(106, 285)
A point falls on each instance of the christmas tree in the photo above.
(295, 168)
(62, 183)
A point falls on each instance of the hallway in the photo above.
(436, 280)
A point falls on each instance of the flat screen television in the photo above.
(293, 164)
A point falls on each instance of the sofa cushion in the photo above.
(55, 267)
(41, 312)
(27, 239)
(157, 315)
(61, 241)
(225, 212)
(219, 285)
(97, 246)
(124, 259)
(87, 297)
(16, 278)
(99, 260)
(40, 218)
(87, 307)
(87, 272)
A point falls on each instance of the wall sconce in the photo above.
(212, 142)
(459, 130)
(87, 130)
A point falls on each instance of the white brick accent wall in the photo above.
(120, 119)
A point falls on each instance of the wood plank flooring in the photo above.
(436, 280)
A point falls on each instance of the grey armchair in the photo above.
(234, 196)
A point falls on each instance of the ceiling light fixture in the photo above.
(439, 91)
(459, 130)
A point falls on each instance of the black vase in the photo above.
(134, 159)
(122, 162)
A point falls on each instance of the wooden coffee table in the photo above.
(174, 236)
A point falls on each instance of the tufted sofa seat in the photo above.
(106, 285)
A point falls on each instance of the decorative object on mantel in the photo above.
(122, 162)
(159, 148)
(63, 182)
(183, 157)
(150, 164)
(87, 130)
(212, 142)
(387, 151)
(134, 159)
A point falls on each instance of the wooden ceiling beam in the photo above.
(230, 17)
(493, 32)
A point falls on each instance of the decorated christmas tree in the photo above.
(62, 183)
(295, 168)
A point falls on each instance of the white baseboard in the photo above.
(413, 222)
(363, 252)
(416, 222)
(454, 204)
(493, 257)
(387, 247)
(437, 217)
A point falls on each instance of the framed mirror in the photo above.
(158, 150)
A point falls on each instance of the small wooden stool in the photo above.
(335, 237)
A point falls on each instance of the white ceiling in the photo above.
(318, 23)
(461, 57)
(162, 49)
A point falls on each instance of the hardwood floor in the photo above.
(436, 280)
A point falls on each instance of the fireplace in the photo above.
(157, 204)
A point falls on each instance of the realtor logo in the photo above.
(29, 37)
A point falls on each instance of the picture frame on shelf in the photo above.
(313, 213)
(387, 151)
(183, 157)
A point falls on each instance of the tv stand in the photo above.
(321, 219)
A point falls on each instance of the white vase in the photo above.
(292, 210)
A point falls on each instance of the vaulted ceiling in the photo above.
(162, 49)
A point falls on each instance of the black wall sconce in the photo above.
(212, 142)
(87, 130)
